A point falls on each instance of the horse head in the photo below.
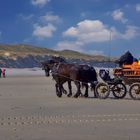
(51, 64)
(46, 68)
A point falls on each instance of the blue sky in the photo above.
(107, 27)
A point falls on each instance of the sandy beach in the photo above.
(30, 110)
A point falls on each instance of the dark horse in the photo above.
(50, 65)
(62, 73)
(65, 72)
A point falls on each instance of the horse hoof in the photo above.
(69, 95)
(95, 96)
(75, 96)
(86, 96)
(59, 95)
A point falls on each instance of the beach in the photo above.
(30, 110)
(10, 72)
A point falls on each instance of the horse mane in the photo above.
(59, 59)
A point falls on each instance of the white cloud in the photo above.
(138, 7)
(40, 3)
(119, 16)
(72, 31)
(49, 17)
(76, 46)
(26, 17)
(68, 45)
(130, 32)
(93, 31)
(42, 32)
(89, 31)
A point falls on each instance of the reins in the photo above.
(61, 75)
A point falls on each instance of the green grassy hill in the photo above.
(22, 50)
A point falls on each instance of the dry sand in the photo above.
(30, 110)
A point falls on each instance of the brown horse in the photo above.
(87, 75)
(63, 72)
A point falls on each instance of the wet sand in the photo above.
(30, 110)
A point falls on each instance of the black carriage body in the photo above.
(108, 85)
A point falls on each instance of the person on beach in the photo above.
(4, 72)
(0, 72)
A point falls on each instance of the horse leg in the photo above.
(70, 89)
(86, 90)
(78, 89)
(63, 90)
(93, 85)
(58, 89)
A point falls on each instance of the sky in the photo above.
(96, 27)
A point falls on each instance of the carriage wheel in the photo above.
(119, 90)
(102, 90)
(134, 91)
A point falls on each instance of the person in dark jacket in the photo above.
(126, 59)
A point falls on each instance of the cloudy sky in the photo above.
(107, 27)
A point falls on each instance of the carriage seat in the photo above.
(104, 74)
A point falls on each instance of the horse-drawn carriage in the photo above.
(131, 76)
(126, 75)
